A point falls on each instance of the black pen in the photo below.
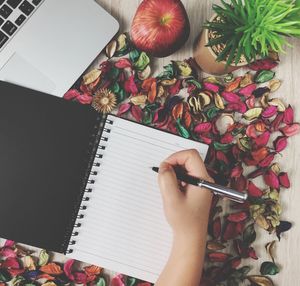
(216, 189)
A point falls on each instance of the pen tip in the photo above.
(155, 169)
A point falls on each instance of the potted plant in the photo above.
(242, 31)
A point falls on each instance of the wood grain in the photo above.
(288, 250)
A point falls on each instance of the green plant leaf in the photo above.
(269, 268)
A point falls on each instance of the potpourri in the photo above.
(246, 127)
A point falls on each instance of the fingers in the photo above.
(191, 161)
(168, 182)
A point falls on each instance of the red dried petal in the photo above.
(254, 191)
(264, 64)
(240, 183)
(259, 154)
(267, 161)
(130, 85)
(84, 98)
(231, 97)
(235, 262)
(237, 171)
(251, 131)
(211, 87)
(123, 63)
(203, 127)
(247, 90)
(123, 108)
(255, 174)
(80, 278)
(271, 179)
(205, 139)
(239, 107)
(218, 256)
(216, 228)
(222, 157)
(284, 180)
(263, 139)
(250, 102)
(291, 130)
(230, 231)
(277, 121)
(71, 94)
(269, 111)
(234, 85)
(237, 217)
(137, 113)
(280, 143)
(11, 262)
(251, 253)
(288, 117)
(227, 138)
(174, 89)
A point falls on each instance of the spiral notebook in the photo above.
(82, 185)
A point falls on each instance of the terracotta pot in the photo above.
(206, 57)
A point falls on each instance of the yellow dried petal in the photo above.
(262, 222)
(142, 75)
(121, 42)
(253, 113)
(277, 102)
(219, 101)
(264, 101)
(160, 91)
(168, 82)
(139, 99)
(111, 49)
(91, 76)
(246, 80)
(275, 168)
(205, 99)
(29, 263)
(274, 84)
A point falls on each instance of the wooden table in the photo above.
(288, 250)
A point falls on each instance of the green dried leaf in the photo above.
(249, 234)
(43, 258)
(4, 276)
(115, 88)
(130, 281)
(264, 76)
(181, 129)
(269, 268)
(212, 112)
(113, 73)
(183, 68)
(222, 147)
(148, 116)
(168, 72)
(228, 78)
(142, 61)
(195, 83)
(134, 55)
(16, 281)
(101, 282)
(121, 95)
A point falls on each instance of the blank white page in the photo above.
(124, 228)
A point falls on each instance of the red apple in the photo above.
(160, 27)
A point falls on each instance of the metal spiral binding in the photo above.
(89, 187)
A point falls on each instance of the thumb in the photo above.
(168, 182)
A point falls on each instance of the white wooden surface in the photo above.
(288, 250)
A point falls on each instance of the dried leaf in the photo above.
(142, 62)
(258, 280)
(182, 130)
(183, 68)
(91, 76)
(270, 249)
(269, 268)
(282, 227)
(264, 76)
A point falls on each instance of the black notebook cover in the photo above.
(46, 148)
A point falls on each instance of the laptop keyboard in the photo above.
(13, 14)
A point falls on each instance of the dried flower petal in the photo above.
(203, 127)
(218, 256)
(237, 217)
(274, 85)
(278, 103)
(214, 246)
(288, 117)
(284, 180)
(211, 87)
(123, 63)
(291, 130)
(91, 76)
(253, 113)
(269, 268)
(271, 179)
(282, 227)
(254, 191)
(51, 268)
(247, 90)
(233, 85)
(264, 76)
(71, 94)
(264, 64)
(269, 111)
(130, 85)
(230, 97)
(270, 249)
(137, 113)
(111, 49)
(153, 92)
(258, 280)
(280, 143)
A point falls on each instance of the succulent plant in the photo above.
(251, 28)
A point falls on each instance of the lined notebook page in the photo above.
(124, 228)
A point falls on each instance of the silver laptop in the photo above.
(46, 44)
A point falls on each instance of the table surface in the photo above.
(288, 250)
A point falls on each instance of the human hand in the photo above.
(186, 206)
